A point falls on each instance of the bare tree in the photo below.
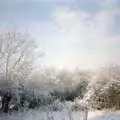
(18, 53)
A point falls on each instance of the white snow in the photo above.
(102, 115)
(64, 115)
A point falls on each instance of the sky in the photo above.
(73, 34)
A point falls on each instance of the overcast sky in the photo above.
(73, 33)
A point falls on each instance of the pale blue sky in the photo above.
(31, 10)
(73, 33)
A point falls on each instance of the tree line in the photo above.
(24, 85)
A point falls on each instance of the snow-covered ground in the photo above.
(102, 115)
(64, 115)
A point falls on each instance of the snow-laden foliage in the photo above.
(105, 88)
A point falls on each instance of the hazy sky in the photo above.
(73, 33)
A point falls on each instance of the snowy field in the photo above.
(100, 115)
(64, 115)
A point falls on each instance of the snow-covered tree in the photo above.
(18, 55)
